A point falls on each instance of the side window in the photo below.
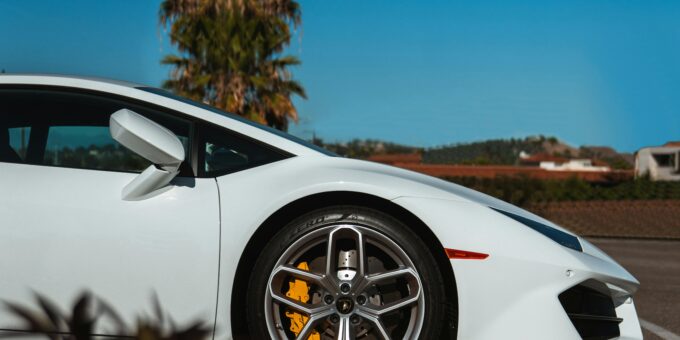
(18, 140)
(223, 151)
(665, 160)
(89, 147)
(69, 129)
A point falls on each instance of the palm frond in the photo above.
(230, 55)
(87, 310)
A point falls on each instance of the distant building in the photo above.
(555, 163)
(660, 163)
(575, 165)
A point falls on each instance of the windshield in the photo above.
(279, 133)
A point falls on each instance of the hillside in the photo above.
(495, 151)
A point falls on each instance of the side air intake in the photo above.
(591, 309)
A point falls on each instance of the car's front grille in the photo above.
(591, 309)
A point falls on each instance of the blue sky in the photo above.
(417, 72)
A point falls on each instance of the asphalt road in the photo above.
(656, 264)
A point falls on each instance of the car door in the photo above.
(65, 230)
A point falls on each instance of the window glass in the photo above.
(664, 160)
(224, 152)
(89, 147)
(70, 129)
(18, 140)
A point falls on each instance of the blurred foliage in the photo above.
(231, 55)
(50, 321)
(495, 151)
(618, 163)
(524, 191)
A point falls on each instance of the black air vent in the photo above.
(591, 310)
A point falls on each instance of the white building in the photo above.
(660, 163)
(556, 163)
(574, 165)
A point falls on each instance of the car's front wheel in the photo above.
(346, 273)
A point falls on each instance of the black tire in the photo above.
(435, 307)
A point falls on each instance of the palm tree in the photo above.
(231, 55)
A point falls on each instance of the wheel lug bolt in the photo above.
(328, 299)
(334, 318)
(361, 299)
(345, 287)
(355, 319)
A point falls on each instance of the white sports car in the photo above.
(128, 191)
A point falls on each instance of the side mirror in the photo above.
(151, 141)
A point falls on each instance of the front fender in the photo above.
(514, 292)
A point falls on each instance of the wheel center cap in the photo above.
(344, 305)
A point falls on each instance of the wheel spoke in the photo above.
(332, 250)
(309, 326)
(310, 310)
(407, 273)
(345, 329)
(394, 305)
(414, 290)
(320, 280)
(361, 253)
(375, 279)
(375, 321)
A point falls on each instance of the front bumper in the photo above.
(514, 293)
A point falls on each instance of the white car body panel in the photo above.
(512, 294)
(63, 231)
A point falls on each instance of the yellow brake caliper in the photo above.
(298, 290)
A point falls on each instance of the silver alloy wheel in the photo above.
(361, 285)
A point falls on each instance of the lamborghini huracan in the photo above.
(127, 190)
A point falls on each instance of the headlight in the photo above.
(558, 236)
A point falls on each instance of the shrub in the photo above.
(523, 191)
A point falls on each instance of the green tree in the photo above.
(231, 55)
